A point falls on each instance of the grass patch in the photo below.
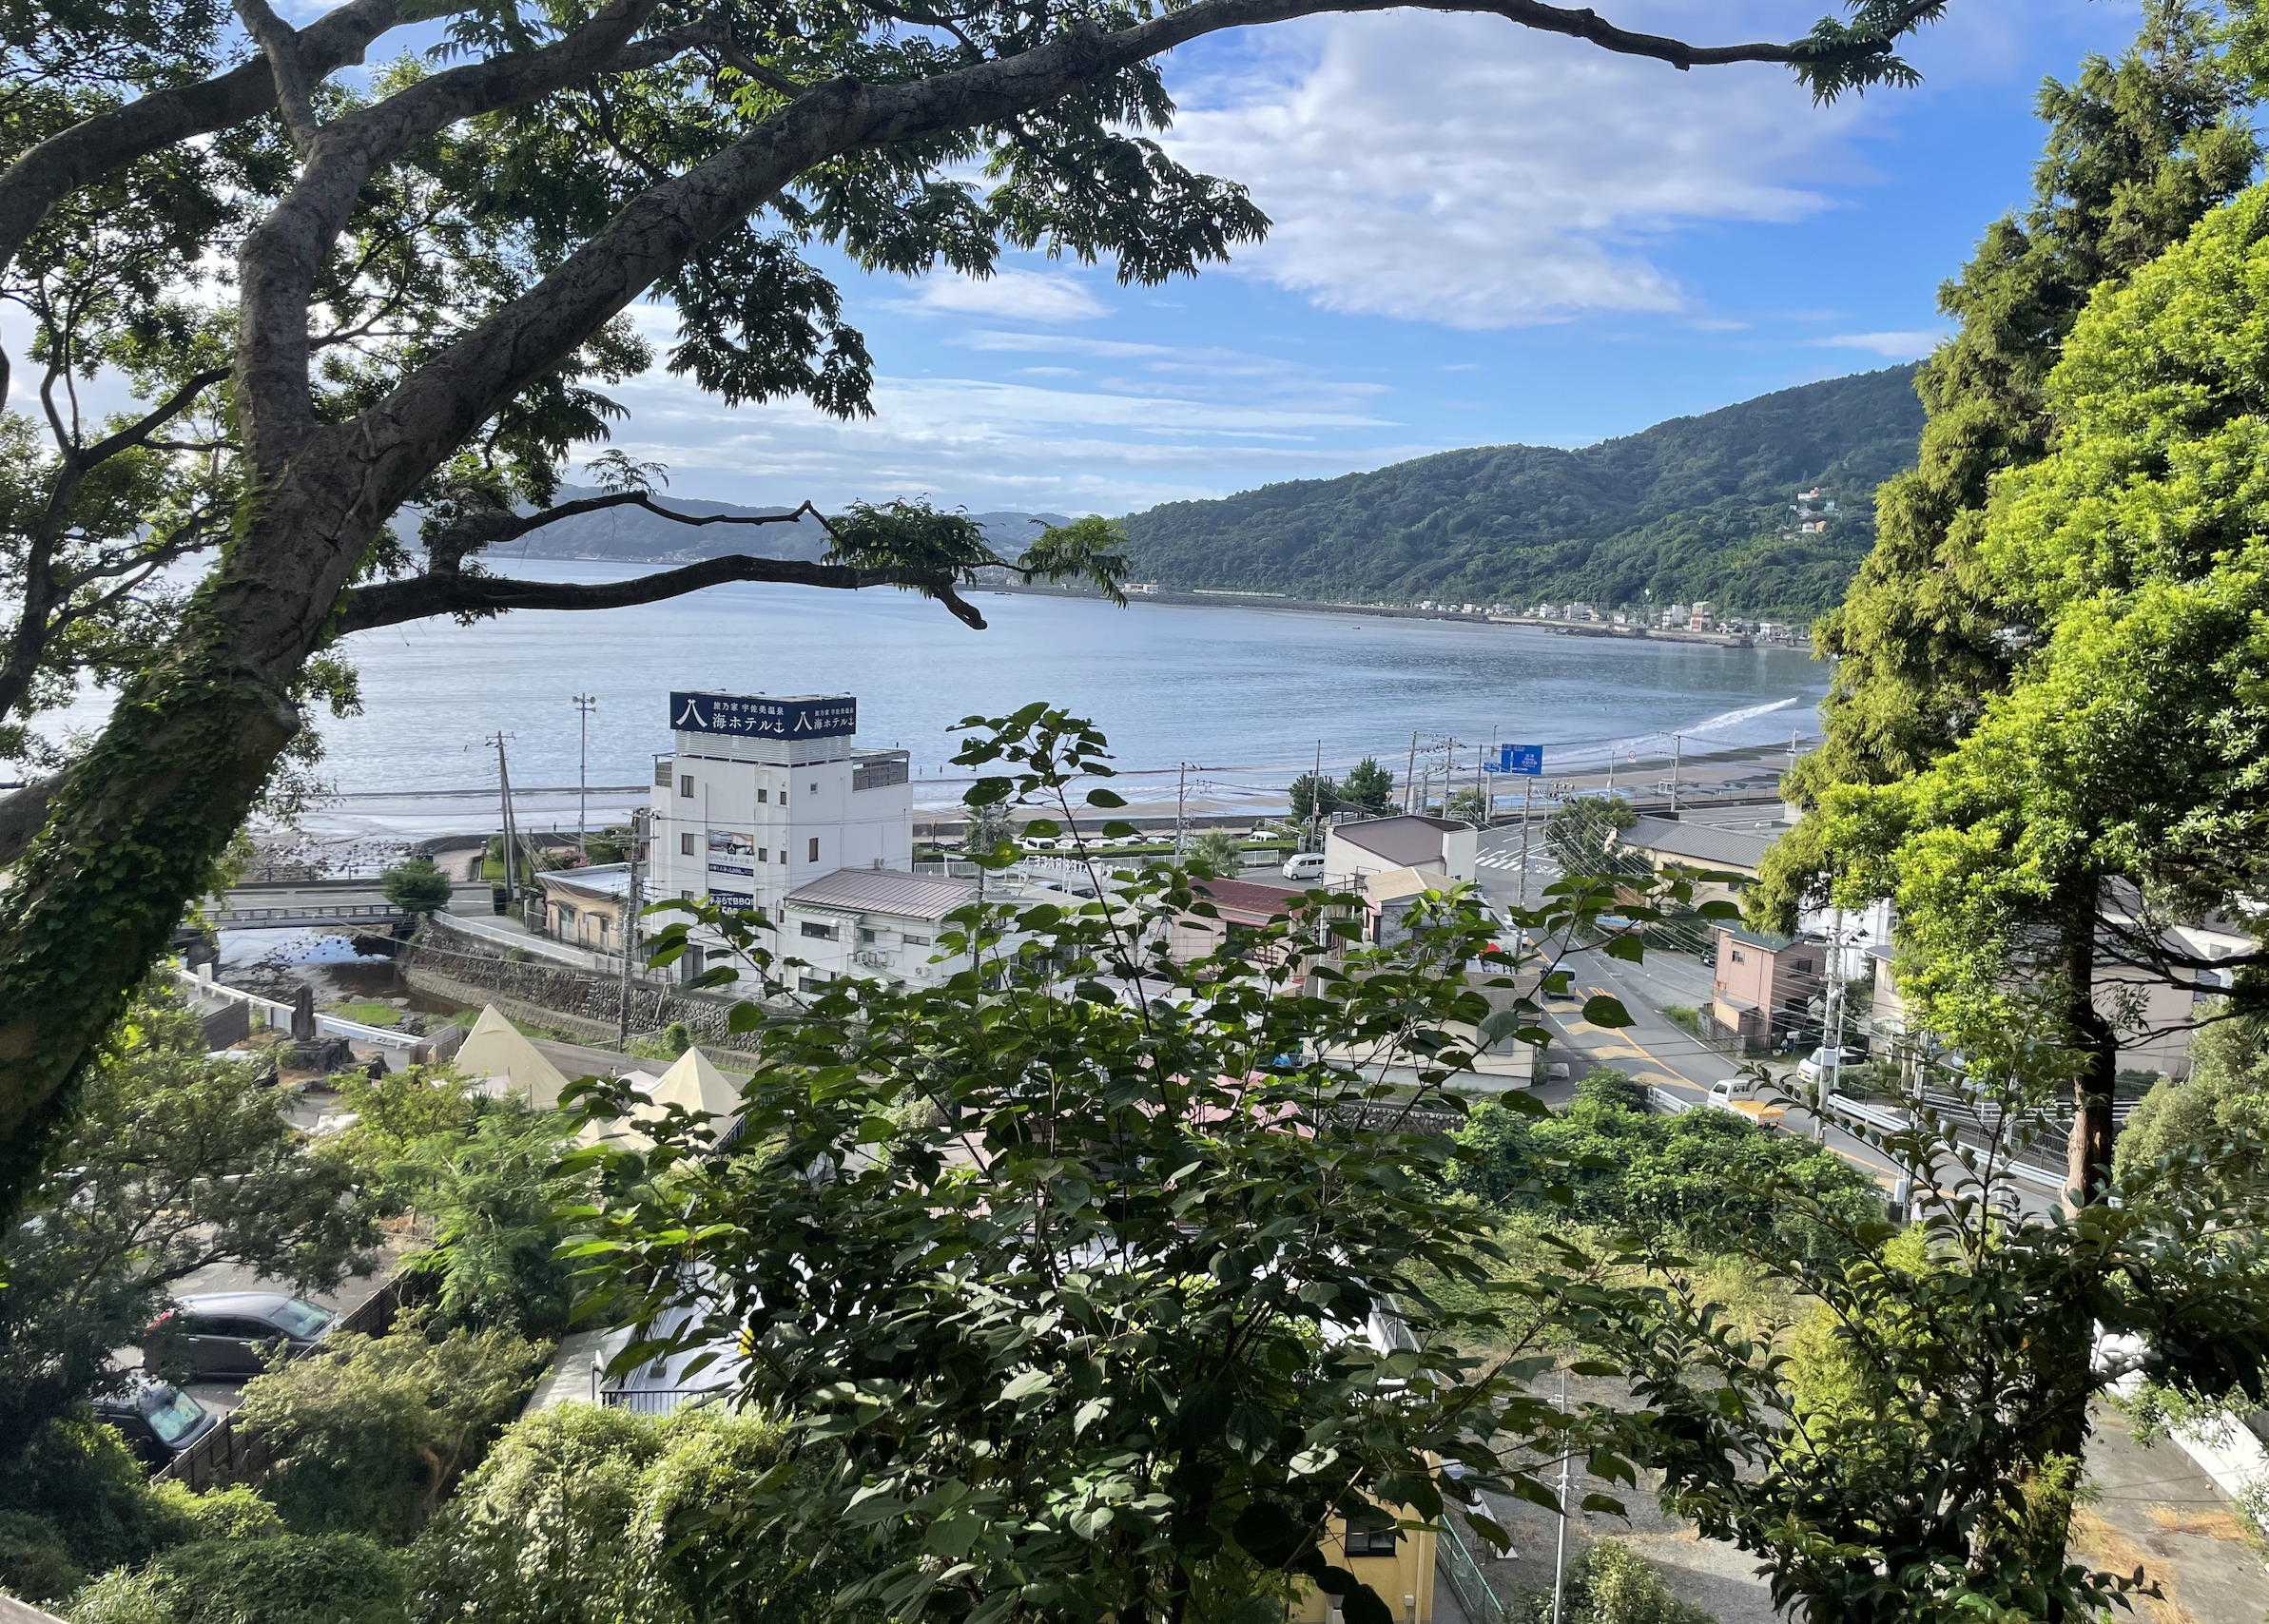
(368, 1012)
(1685, 1016)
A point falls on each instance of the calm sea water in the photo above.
(1244, 695)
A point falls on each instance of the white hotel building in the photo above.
(772, 803)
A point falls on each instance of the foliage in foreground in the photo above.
(1704, 1179)
(586, 1516)
(373, 1432)
(1139, 1304)
(1912, 1453)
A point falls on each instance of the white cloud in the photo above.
(1017, 295)
(1897, 346)
(1457, 170)
(1009, 444)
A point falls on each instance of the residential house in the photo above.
(1438, 846)
(1665, 841)
(871, 922)
(586, 905)
(1239, 906)
(1763, 983)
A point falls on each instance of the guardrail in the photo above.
(2050, 1179)
(318, 913)
(269, 1012)
(1668, 1102)
(1482, 1603)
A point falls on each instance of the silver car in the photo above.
(233, 1333)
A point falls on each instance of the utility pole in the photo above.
(629, 932)
(1678, 763)
(1315, 802)
(1559, 1554)
(1832, 1024)
(1528, 784)
(504, 788)
(1410, 774)
(584, 705)
(1181, 794)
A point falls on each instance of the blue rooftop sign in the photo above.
(1527, 760)
(749, 716)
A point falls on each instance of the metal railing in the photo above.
(1456, 1558)
(650, 1401)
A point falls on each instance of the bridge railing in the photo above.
(268, 1012)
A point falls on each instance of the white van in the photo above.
(1303, 867)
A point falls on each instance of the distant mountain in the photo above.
(633, 534)
(1692, 508)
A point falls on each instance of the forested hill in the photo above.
(1692, 508)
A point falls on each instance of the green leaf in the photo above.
(1265, 1532)
(1600, 1010)
(1105, 798)
(987, 792)
(1629, 949)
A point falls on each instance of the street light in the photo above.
(584, 705)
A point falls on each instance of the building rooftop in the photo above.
(1248, 900)
(884, 891)
(1772, 941)
(608, 880)
(1696, 844)
(1403, 840)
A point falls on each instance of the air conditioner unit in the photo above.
(873, 957)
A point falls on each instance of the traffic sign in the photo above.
(1525, 759)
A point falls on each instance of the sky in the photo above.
(1482, 234)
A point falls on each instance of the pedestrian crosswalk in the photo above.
(1510, 860)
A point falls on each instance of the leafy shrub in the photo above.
(1704, 1177)
(125, 1595)
(289, 1578)
(585, 1515)
(374, 1431)
(34, 1562)
(1613, 1584)
(80, 1480)
(238, 1513)
(1608, 1087)
(494, 1196)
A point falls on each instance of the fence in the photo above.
(555, 988)
(649, 1401)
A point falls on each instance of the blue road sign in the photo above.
(1526, 760)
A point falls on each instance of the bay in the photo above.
(1243, 694)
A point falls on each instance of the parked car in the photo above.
(1818, 1063)
(233, 1333)
(157, 1419)
(1304, 865)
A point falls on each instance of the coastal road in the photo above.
(1658, 1055)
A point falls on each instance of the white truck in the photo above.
(1738, 1094)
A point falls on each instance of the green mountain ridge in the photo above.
(1692, 508)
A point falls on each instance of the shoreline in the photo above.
(1227, 598)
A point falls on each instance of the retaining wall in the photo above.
(474, 970)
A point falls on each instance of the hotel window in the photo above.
(826, 933)
(915, 941)
(684, 785)
(685, 844)
(815, 850)
(1373, 1542)
(762, 856)
(865, 934)
(762, 794)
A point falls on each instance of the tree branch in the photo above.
(282, 257)
(279, 43)
(393, 602)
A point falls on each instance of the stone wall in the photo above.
(454, 964)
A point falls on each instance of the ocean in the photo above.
(1244, 695)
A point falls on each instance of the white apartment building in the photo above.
(771, 803)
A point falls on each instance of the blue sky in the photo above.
(1482, 234)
